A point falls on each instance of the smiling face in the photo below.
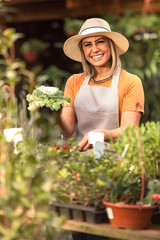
(97, 51)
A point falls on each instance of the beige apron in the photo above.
(96, 107)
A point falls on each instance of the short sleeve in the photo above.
(133, 99)
(69, 90)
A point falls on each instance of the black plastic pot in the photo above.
(78, 214)
(96, 215)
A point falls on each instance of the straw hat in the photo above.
(94, 27)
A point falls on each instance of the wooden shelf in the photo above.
(105, 229)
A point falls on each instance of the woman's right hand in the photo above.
(84, 143)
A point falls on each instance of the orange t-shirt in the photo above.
(130, 91)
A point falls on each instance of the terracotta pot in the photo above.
(31, 57)
(129, 216)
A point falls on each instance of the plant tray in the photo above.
(81, 213)
(62, 210)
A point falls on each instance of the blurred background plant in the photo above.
(72, 26)
(53, 76)
(32, 48)
(5, 14)
(27, 187)
(143, 56)
(12, 72)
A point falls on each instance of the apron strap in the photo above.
(115, 79)
(86, 80)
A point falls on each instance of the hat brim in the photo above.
(72, 50)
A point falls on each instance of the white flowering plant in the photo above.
(46, 96)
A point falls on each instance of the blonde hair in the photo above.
(89, 70)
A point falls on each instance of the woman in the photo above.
(104, 98)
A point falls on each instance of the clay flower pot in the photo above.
(129, 216)
(31, 57)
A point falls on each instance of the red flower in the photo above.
(62, 148)
(156, 197)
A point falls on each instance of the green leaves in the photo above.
(143, 55)
(124, 182)
(27, 187)
(7, 39)
(79, 176)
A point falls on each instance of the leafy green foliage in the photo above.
(125, 187)
(78, 175)
(153, 187)
(53, 76)
(150, 141)
(26, 190)
(143, 56)
(12, 71)
(116, 176)
(136, 152)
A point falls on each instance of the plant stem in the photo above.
(142, 166)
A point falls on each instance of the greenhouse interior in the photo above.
(72, 167)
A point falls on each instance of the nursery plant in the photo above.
(78, 175)
(26, 188)
(137, 158)
(137, 144)
(32, 48)
(34, 45)
(12, 72)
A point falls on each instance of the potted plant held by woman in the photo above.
(136, 161)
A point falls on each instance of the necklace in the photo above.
(102, 80)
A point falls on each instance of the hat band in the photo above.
(94, 30)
